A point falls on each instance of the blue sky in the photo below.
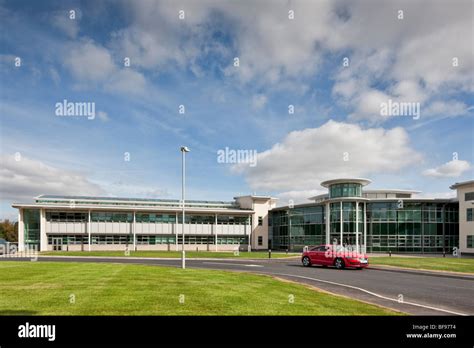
(190, 62)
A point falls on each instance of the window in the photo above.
(111, 217)
(345, 190)
(52, 216)
(469, 214)
(470, 241)
(260, 220)
(469, 196)
(260, 240)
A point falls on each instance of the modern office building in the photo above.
(465, 197)
(102, 223)
(367, 220)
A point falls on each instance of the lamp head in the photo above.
(184, 149)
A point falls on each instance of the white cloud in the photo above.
(27, 178)
(126, 81)
(448, 108)
(125, 187)
(259, 101)
(297, 197)
(263, 58)
(305, 158)
(90, 62)
(446, 195)
(103, 116)
(403, 59)
(69, 26)
(54, 76)
(451, 169)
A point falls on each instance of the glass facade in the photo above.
(31, 220)
(144, 239)
(61, 216)
(345, 190)
(412, 227)
(294, 228)
(415, 227)
(348, 223)
(32, 217)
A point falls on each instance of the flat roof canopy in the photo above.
(361, 181)
(460, 184)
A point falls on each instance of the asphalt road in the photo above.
(418, 293)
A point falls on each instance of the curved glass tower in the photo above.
(346, 209)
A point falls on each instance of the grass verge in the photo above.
(429, 263)
(48, 288)
(175, 254)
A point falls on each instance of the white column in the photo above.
(365, 227)
(134, 232)
(89, 232)
(176, 230)
(357, 226)
(248, 227)
(328, 223)
(340, 219)
(21, 231)
(215, 230)
(43, 235)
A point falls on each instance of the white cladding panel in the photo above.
(142, 228)
(65, 227)
(230, 230)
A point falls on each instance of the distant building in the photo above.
(465, 197)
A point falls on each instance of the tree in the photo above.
(9, 230)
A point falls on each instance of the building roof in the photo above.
(460, 184)
(361, 181)
(142, 208)
(92, 202)
(122, 199)
(258, 197)
(390, 191)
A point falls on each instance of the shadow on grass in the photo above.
(11, 312)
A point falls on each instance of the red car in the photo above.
(334, 255)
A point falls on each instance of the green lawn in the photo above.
(45, 288)
(429, 263)
(171, 254)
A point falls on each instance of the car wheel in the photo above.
(339, 263)
(306, 261)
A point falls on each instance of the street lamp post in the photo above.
(184, 149)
